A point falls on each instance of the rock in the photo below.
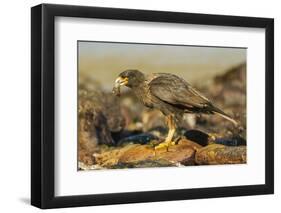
(82, 166)
(99, 113)
(140, 156)
(85, 157)
(197, 136)
(180, 155)
(136, 154)
(183, 153)
(118, 136)
(234, 141)
(143, 138)
(129, 156)
(109, 158)
(112, 111)
(186, 142)
(93, 123)
(87, 142)
(100, 128)
(220, 154)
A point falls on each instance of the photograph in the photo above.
(146, 105)
(139, 105)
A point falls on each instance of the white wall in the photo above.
(15, 105)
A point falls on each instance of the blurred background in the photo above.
(104, 61)
(119, 132)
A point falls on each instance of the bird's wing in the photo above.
(176, 91)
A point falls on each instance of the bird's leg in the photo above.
(169, 139)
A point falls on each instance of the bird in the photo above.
(170, 94)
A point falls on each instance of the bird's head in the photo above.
(128, 78)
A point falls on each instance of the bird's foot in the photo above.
(213, 136)
(165, 144)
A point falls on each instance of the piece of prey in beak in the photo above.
(118, 83)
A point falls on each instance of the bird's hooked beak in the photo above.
(120, 81)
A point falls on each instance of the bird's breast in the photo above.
(143, 94)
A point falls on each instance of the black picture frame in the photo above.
(43, 102)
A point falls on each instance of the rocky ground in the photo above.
(121, 133)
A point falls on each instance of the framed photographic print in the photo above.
(140, 106)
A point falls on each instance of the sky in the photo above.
(103, 61)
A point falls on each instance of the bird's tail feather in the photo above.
(224, 115)
(227, 118)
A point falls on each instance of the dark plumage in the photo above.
(172, 95)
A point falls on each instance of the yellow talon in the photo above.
(165, 144)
